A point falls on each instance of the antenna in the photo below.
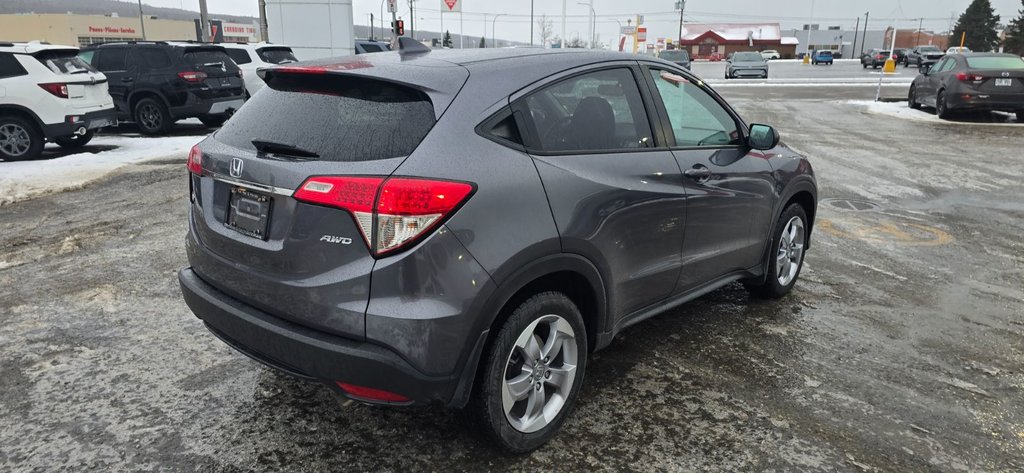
(407, 45)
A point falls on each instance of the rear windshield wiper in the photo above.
(281, 149)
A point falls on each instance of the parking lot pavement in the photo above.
(900, 349)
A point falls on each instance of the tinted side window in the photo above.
(155, 58)
(9, 66)
(112, 59)
(697, 119)
(240, 56)
(597, 111)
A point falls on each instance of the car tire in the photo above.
(74, 141)
(789, 242)
(151, 116)
(864, 65)
(509, 421)
(214, 121)
(941, 106)
(912, 99)
(19, 139)
(1020, 116)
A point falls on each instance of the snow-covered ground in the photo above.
(20, 180)
(901, 110)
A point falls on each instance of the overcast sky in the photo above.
(659, 17)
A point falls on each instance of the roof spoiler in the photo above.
(408, 45)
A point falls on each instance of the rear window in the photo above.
(997, 62)
(205, 58)
(371, 48)
(674, 55)
(277, 55)
(64, 62)
(340, 118)
(825, 53)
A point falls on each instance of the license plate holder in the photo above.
(1004, 82)
(249, 212)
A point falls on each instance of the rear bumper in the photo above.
(210, 106)
(90, 121)
(306, 353)
(982, 101)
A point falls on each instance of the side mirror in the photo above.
(762, 137)
(925, 70)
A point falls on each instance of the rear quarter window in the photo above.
(340, 118)
(10, 67)
(240, 56)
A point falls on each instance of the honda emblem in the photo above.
(236, 167)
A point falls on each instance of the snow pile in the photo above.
(20, 180)
(901, 110)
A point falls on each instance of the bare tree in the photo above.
(545, 29)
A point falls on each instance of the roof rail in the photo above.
(6, 44)
(407, 45)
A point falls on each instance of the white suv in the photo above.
(770, 55)
(251, 57)
(48, 93)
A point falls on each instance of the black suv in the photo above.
(155, 84)
(465, 227)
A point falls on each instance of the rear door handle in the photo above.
(698, 172)
(127, 79)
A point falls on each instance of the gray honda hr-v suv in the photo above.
(466, 228)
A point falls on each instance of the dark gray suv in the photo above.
(466, 228)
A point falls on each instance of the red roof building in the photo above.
(717, 40)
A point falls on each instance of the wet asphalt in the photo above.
(900, 349)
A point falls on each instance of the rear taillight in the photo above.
(58, 89)
(192, 76)
(964, 77)
(391, 213)
(195, 161)
(880, 57)
(371, 394)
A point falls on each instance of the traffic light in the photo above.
(398, 26)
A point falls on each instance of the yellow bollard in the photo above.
(890, 66)
(807, 58)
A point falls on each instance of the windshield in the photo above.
(747, 57)
(65, 61)
(674, 55)
(995, 62)
(929, 49)
(338, 118)
(277, 55)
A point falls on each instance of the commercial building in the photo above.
(718, 40)
(313, 28)
(81, 30)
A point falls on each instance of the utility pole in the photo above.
(864, 40)
(142, 21)
(920, 24)
(682, 6)
(204, 20)
(531, 22)
(264, 35)
(412, 16)
(856, 32)
(563, 25)
(371, 26)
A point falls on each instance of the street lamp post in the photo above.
(494, 42)
(590, 5)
